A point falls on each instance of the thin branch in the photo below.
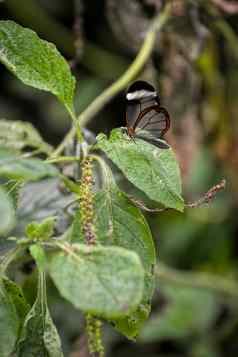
(206, 198)
(62, 159)
(133, 70)
(224, 286)
(209, 195)
(8, 258)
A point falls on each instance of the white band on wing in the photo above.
(140, 94)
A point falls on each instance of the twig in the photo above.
(206, 198)
(224, 286)
(209, 195)
(141, 205)
(61, 159)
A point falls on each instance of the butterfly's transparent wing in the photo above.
(154, 119)
(135, 108)
(148, 137)
(132, 113)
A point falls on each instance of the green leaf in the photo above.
(41, 231)
(17, 297)
(189, 311)
(38, 254)
(14, 167)
(154, 171)
(7, 213)
(120, 223)
(9, 323)
(39, 200)
(131, 325)
(13, 188)
(18, 135)
(36, 62)
(39, 335)
(51, 337)
(104, 281)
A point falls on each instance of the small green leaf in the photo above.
(38, 254)
(36, 62)
(7, 212)
(9, 323)
(189, 311)
(104, 281)
(154, 171)
(39, 336)
(131, 325)
(18, 134)
(14, 167)
(41, 231)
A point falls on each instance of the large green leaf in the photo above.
(153, 170)
(15, 293)
(105, 281)
(9, 323)
(39, 200)
(36, 62)
(189, 311)
(13, 189)
(118, 222)
(7, 213)
(18, 135)
(14, 167)
(39, 336)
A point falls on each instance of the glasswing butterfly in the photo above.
(145, 118)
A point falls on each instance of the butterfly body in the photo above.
(145, 118)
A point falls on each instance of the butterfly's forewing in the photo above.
(140, 95)
(153, 119)
(132, 113)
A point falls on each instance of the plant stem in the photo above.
(8, 257)
(62, 159)
(133, 70)
(223, 286)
